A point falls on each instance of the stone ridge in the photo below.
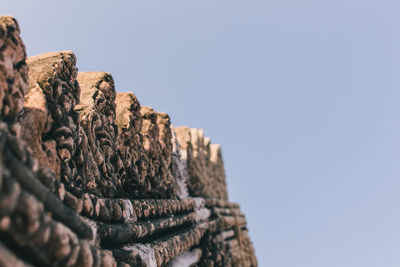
(13, 70)
(89, 177)
(205, 167)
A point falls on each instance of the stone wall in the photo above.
(89, 177)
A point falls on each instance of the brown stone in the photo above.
(130, 147)
(94, 179)
(206, 175)
(157, 143)
(101, 165)
(49, 124)
(13, 70)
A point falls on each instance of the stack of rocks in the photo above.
(89, 177)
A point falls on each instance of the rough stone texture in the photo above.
(98, 145)
(130, 145)
(88, 177)
(179, 167)
(164, 249)
(187, 258)
(128, 232)
(205, 167)
(157, 142)
(230, 244)
(49, 123)
(9, 259)
(130, 210)
(13, 71)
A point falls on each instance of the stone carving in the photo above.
(157, 143)
(130, 144)
(89, 177)
(205, 167)
(49, 123)
(98, 148)
(13, 71)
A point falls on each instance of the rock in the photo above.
(89, 177)
(130, 145)
(101, 166)
(13, 71)
(49, 124)
(157, 143)
(179, 167)
(205, 167)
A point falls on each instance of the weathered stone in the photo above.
(187, 258)
(49, 124)
(130, 145)
(101, 165)
(179, 167)
(229, 243)
(164, 250)
(157, 142)
(13, 72)
(27, 221)
(206, 175)
(94, 179)
(9, 259)
(129, 232)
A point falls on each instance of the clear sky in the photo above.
(304, 97)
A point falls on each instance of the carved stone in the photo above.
(88, 177)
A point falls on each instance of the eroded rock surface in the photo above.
(13, 71)
(49, 123)
(98, 147)
(89, 177)
(205, 167)
(157, 143)
(130, 144)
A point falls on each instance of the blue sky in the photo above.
(303, 96)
